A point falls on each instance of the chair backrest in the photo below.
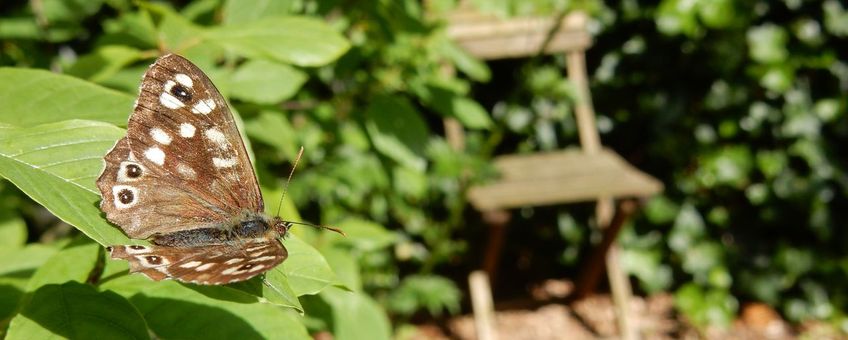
(489, 37)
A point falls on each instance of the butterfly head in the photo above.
(279, 226)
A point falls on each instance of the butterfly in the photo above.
(182, 179)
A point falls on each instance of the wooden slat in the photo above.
(561, 177)
(489, 37)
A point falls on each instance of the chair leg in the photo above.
(482, 305)
(605, 255)
(497, 221)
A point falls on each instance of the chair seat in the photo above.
(567, 176)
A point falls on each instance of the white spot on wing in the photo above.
(184, 80)
(155, 155)
(122, 172)
(256, 247)
(204, 267)
(160, 136)
(234, 261)
(232, 271)
(262, 259)
(187, 130)
(204, 106)
(143, 259)
(216, 137)
(223, 162)
(169, 85)
(186, 171)
(142, 250)
(170, 101)
(190, 264)
(121, 205)
(257, 268)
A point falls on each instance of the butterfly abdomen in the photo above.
(238, 233)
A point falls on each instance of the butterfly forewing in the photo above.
(183, 136)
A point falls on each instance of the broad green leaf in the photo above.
(76, 311)
(266, 82)
(104, 63)
(13, 231)
(24, 261)
(175, 32)
(301, 41)
(56, 165)
(767, 44)
(16, 267)
(273, 288)
(31, 97)
(19, 28)
(345, 266)
(307, 270)
(74, 263)
(475, 69)
(131, 28)
(176, 311)
(366, 235)
(272, 128)
(244, 11)
(356, 316)
(69, 10)
(447, 102)
(397, 130)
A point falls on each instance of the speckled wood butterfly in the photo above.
(182, 179)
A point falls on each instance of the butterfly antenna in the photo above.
(319, 227)
(291, 174)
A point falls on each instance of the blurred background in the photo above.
(737, 108)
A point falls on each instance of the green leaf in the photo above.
(356, 316)
(13, 231)
(31, 97)
(69, 10)
(449, 103)
(74, 263)
(173, 310)
(56, 165)
(266, 82)
(366, 235)
(16, 267)
(23, 261)
(397, 130)
(307, 270)
(74, 310)
(244, 11)
(475, 69)
(104, 63)
(272, 128)
(297, 40)
(767, 44)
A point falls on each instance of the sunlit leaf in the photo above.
(56, 165)
(31, 97)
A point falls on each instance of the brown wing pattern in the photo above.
(195, 170)
(208, 265)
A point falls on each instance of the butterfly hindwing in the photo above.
(216, 264)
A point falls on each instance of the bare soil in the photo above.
(548, 314)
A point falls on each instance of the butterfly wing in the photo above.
(209, 265)
(183, 164)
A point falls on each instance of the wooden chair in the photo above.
(588, 173)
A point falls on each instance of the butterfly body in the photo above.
(182, 179)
